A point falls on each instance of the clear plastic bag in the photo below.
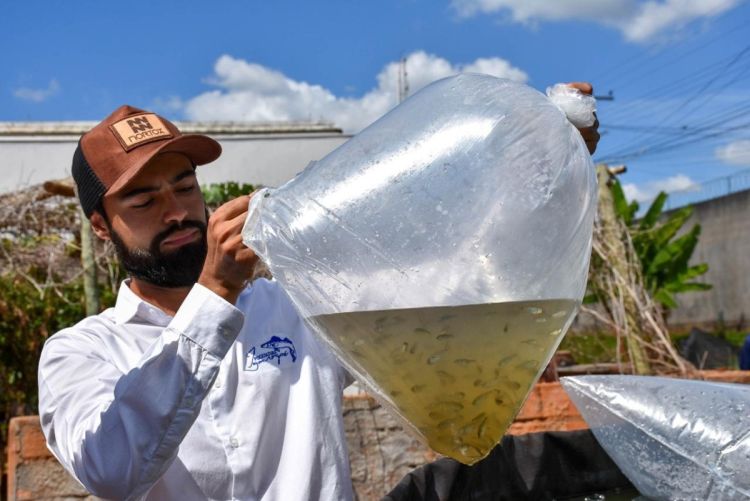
(672, 438)
(578, 107)
(441, 253)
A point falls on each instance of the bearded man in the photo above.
(165, 396)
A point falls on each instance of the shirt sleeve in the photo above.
(118, 433)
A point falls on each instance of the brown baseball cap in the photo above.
(115, 150)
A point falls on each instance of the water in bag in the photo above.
(441, 253)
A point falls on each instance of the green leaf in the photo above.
(669, 229)
(694, 271)
(633, 208)
(678, 287)
(622, 208)
(654, 212)
(590, 299)
(665, 298)
(683, 250)
(672, 260)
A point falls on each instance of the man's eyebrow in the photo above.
(148, 189)
(186, 173)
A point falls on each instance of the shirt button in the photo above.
(217, 384)
(234, 443)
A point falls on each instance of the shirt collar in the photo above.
(129, 307)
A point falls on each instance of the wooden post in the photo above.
(612, 233)
(88, 262)
(65, 188)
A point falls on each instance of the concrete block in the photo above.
(33, 472)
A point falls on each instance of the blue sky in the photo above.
(679, 69)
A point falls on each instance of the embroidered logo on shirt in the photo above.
(277, 347)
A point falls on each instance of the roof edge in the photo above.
(79, 127)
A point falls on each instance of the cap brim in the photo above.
(198, 148)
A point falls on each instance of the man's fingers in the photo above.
(241, 255)
(228, 233)
(238, 220)
(590, 132)
(233, 208)
(584, 87)
(591, 138)
(243, 252)
(591, 135)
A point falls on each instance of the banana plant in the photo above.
(664, 252)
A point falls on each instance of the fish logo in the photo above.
(277, 348)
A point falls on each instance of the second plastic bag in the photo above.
(673, 438)
(441, 253)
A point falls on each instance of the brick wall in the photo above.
(33, 473)
(380, 451)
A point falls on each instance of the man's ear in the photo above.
(99, 225)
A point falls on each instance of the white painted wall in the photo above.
(26, 161)
(268, 159)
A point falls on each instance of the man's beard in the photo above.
(180, 268)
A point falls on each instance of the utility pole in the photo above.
(607, 97)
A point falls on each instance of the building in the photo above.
(260, 154)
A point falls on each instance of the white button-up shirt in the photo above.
(217, 402)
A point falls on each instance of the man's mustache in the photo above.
(160, 237)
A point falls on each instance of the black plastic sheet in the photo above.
(538, 466)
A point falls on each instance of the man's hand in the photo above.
(229, 263)
(590, 134)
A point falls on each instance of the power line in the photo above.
(670, 145)
(698, 96)
(649, 57)
(708, 84)
(710, 127)
(718, 119)
(683, 83)
(707, 127)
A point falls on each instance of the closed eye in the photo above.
(144, 204)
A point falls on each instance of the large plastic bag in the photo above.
(672, 438)
(441, 253)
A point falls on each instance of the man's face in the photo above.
(157, 223)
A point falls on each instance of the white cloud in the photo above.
(247, 91)
(525, 11)
(495, 66)
(638, 20)
(735, 153)
(648, 191)
(167, 105)
(655, 17)
(37, 95)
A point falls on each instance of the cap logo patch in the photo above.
(139, 124)
(140, 129)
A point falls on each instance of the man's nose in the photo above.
(174, 210)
